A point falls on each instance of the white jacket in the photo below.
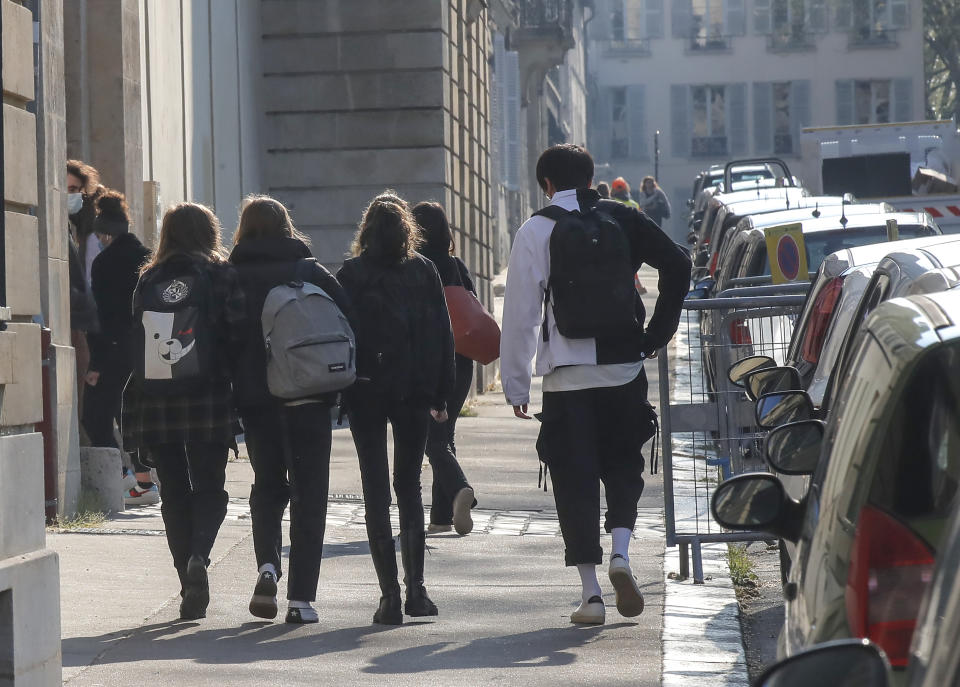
(527, 277)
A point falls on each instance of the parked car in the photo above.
(934, 660)
(836, 291)
(885, 480)
(804, 212)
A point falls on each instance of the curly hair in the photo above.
(188, 229)
(112, 204)
(87, 174)
(388, 233)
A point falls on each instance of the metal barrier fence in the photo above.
(708, 428)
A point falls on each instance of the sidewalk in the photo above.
(504, 595)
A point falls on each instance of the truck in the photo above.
(913, 166)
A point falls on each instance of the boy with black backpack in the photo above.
(570, 300)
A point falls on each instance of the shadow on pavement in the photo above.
(259, 641)
(546, 647)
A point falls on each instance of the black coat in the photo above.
(263, 264)
(452, 271)
(416, 278)
(113, 278)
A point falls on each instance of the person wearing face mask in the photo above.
(114, 277)
(83, 190)
(83, 309)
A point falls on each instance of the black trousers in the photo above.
(102, 403)
(369, 413)
(587, 437)
(194, 502)
(448, 477)
(301, 477)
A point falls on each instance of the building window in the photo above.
(634, 22)
(619, 124)
(708, 24)
(780, 110)
(873, 21)
(782, 132)
(709, 119)
(707, 30)
(871, 101)
(874, 101)
(617, 25)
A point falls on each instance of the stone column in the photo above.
(102, 42)
(29, 582)
(54, 267)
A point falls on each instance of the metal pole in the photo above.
(3, 224)
(656, 156)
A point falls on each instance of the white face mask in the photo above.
(74, 203)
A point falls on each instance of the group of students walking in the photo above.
(196, 346)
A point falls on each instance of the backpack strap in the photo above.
(556, 213)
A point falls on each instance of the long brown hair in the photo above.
(263, 217)
(188, 229)
(388, 233)
(434, 230)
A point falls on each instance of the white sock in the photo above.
(588, 580)
(621, 542)
(267, 567)
(299, 604)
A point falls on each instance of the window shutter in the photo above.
(601, 128)
(799, 110)
(817, 15)
(735, 17)
(843, 17)
(653, 13)
(899, 14)
(637, 121)
(844, 102)
(763, 118)
(680, 120)
(682, 18)
(514, 121)
(761, 17)
(600, 25)
(902, 100)
(737, 118)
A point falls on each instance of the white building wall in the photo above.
(663, 62)
(200, 75)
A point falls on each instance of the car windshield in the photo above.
(820, 244)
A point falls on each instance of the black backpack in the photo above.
(175, 334)
(384, 334)
(591, 275)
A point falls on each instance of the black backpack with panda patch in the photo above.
(175, 337)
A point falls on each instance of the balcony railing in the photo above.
(627, 46)
(536, 14)
(790, 40)
(713, 43)
(871, 37)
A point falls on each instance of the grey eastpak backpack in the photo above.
(311, 349)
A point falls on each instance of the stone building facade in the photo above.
(33, 239)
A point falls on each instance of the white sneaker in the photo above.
(264, 601)
(629, 597)
(590, 612)
(129, 480)
(142, 497)
(462, 503)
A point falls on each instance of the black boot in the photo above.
(412, 548)
(384, 556)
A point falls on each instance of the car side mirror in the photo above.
(742, 368)
(770, 379)
(794, 448)
(843, 663)
(782, 407)
(757, 501)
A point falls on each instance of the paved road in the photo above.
(504, 595)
